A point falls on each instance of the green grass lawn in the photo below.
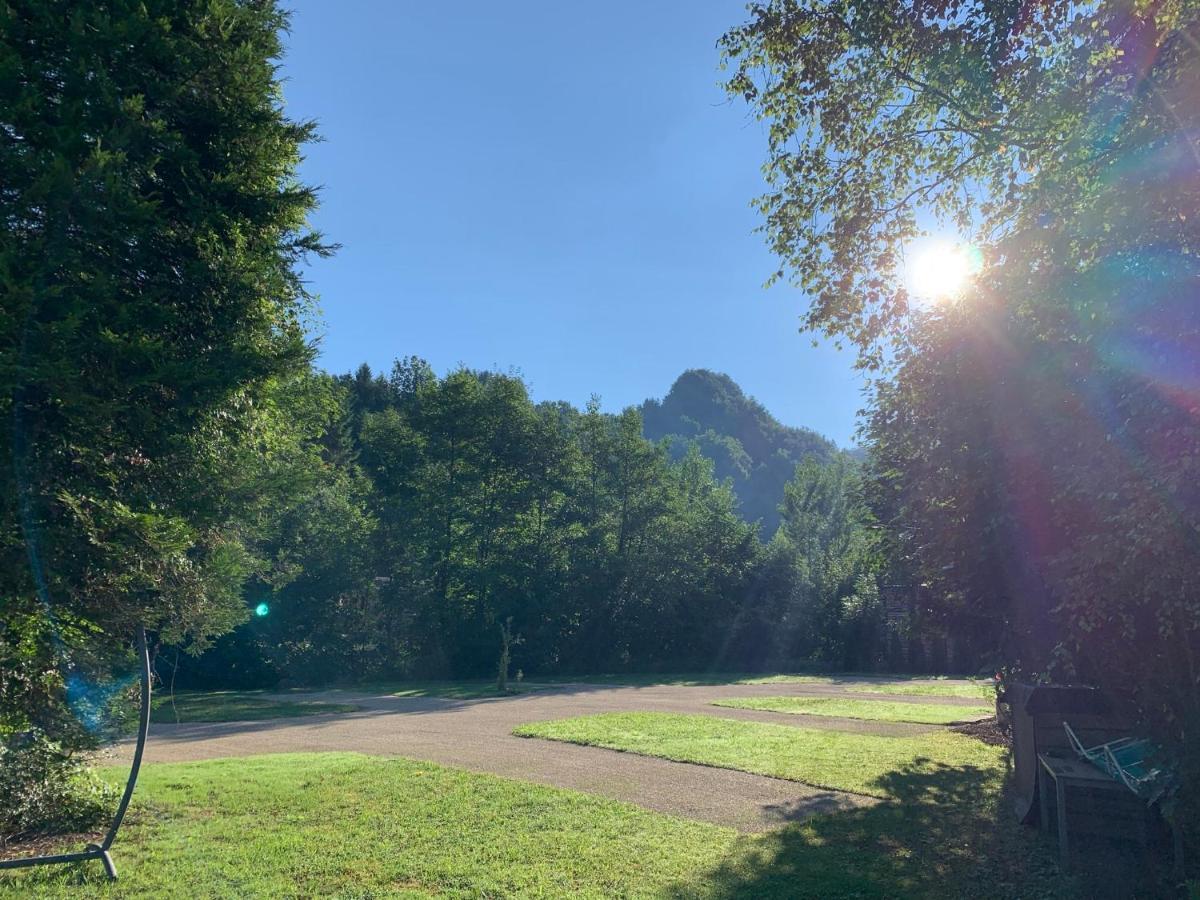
(933, 685)
(861, 763)
(458, 690)
(233, 706)
(641, 679)
(915, 687)
(353, 826)
(877, 710)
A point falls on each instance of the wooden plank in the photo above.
(1061, 798)
(1044, 786)
(1095, 803)
(1078, 771)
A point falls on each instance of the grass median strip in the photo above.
(459, 690)
(234, 706)
(861, 763)
(912, 687)
(876, 710)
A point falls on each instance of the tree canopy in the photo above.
(1035, 443)
(1033, 129)
(153, 317)
(453, 506)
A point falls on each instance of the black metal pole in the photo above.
(100, 851)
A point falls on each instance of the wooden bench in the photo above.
(1038, 713)
(1061, 776)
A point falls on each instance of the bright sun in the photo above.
(940, 269)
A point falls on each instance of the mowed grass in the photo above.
(860, 763)
(233, 706)
(346, 825)
(912, 687)
(459, 690)
(943, 830)
(875, 710)
(237, 706)
(645, 679)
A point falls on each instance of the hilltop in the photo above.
(745, 442)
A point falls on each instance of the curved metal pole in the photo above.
(100, 851)
(143, 730)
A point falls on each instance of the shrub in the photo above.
(45, 789)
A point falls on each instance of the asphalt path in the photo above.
(477, 735)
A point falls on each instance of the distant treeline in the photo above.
(434, 509)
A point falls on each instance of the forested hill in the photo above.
(745, 442)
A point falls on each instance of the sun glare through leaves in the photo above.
(941, 270)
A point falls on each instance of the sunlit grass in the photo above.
(915, 685)
(644, 679)
(344, 825)
(233, 706)
(944, 829)
(860, 763)
(319, 825)
(458, 690)
(875, 710)
(250, 706)
(975, 689)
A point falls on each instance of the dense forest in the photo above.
(746, 443)
(440, 510)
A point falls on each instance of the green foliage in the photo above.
(467, 506)
(744, 441)
(826, 527)
(1036, 446)
(152, 226)
(80, 705)
(47, 789)
(421, 513)
(818, 600)
(153, 317)
(50, 714)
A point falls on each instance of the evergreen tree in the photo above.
(152, 223)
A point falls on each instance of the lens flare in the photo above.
(941, 269)
(262, 609)
(92, 698)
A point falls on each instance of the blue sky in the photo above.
(559, 189)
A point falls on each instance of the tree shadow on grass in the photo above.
(949, 833)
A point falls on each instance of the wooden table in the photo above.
(1068, 772)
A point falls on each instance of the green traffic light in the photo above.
(262, 609)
